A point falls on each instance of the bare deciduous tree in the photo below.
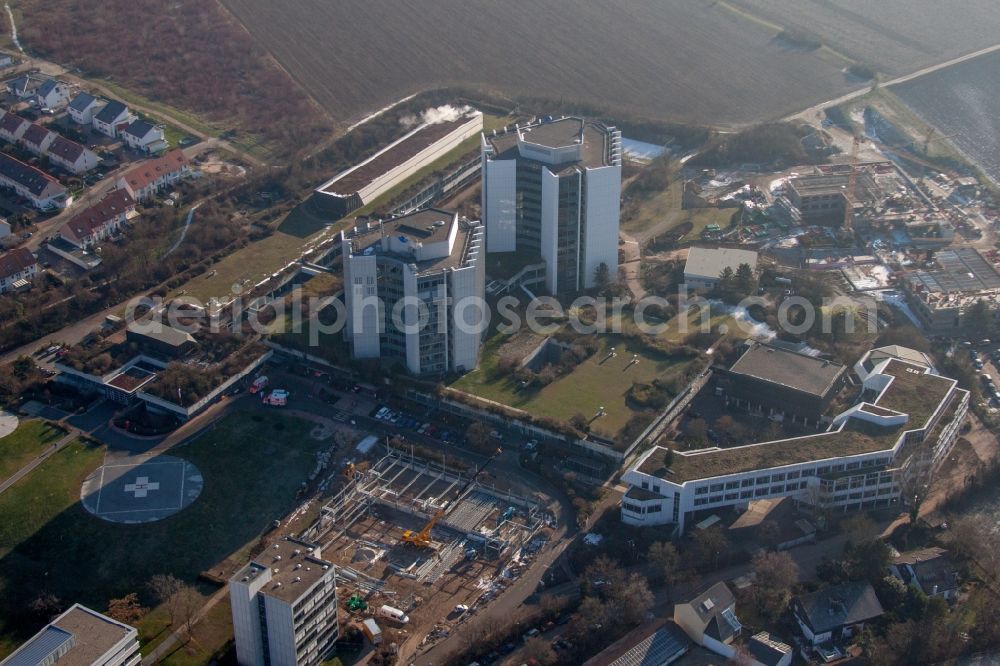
(775, 575)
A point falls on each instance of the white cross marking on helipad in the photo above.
(141, 486)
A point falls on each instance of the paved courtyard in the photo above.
(142, 489)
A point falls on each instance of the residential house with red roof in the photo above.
(71, 156)
(17, 266)
(99, 222)
(37, 138)
(12, 127)
(144, 181)
(42, 190)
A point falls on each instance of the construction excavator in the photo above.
(422, 539)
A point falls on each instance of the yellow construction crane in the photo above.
(422, 538)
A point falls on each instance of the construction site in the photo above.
(423, 538)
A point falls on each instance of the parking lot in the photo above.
(986, 360)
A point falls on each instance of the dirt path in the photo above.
(187, 224)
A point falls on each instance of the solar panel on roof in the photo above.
(655, 650)
(47, 646)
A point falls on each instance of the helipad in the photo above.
(142, 489)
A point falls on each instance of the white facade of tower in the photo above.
(602, 215)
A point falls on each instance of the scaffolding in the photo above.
(482, 519)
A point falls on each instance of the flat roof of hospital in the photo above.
(423, 226)
(807, 374)
(293, 569)
(911, 392)
(557, 134)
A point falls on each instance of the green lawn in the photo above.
(702, 217)
(657, 208)
(252, 466)
(594, 383)
(28, 507)
(209, 638)
(25, 444)
(254, 262)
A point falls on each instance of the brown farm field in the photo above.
(681, 60)
(188, 54)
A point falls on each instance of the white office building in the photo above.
(553, 189)
(904, 422)
(285, 607)
(414, 289)
(80, 637)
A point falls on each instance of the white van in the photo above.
(394, 614)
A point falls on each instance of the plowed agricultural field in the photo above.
(963, 103)
(685, 60)
(894, 36)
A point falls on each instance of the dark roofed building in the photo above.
(12, 127)
(777, 381)
(370, 179)
(161, 339)
(108, 121)
(81, 108)
(66, 149)
(767, 650)
(930, 570)
(143, 135)
(656, 643)
(43, 190)
(837, 612)
(24, 86)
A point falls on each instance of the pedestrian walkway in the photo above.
(48, 453)
(170, 642)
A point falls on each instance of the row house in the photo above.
(71, 156)
(42, 190)
(147, 179)
(17, 267)
(12, 127)
(40, 140)
(37, 139)
(100, 221)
